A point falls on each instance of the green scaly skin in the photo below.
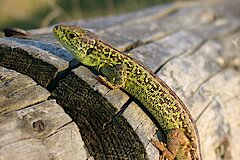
(125, 72)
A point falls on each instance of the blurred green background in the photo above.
(28, 14)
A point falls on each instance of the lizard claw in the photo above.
(158, 144)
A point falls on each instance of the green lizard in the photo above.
(120, 70)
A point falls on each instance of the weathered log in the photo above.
(53, 108)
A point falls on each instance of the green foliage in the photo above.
(47, 13)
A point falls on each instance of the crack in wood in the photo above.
(206, 80)
(205, 108)
(58, 129)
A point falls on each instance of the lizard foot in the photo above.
(166, 154)
(177, 145)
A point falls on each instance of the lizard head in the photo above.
(79, 42)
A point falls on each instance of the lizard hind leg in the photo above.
(166, 154)
(177, 145)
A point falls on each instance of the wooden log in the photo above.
(53, 108)
(18, 91)
(31, 126)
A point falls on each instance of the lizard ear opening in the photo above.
(89, 51)
(72, 35)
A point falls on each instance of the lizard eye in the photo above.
(89, 51)
(71, 35)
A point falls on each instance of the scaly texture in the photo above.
(123, 71)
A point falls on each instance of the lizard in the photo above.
(119, 70)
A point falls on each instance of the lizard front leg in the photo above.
(177, 146)
(114, 76)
